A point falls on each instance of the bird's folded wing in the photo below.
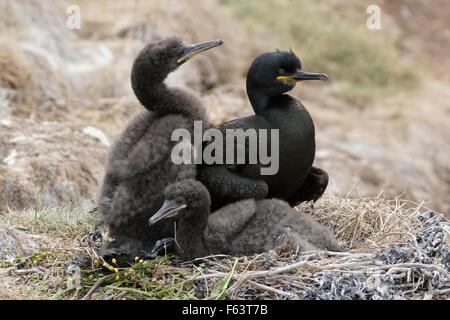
(224, 224)
(240, 134)
(229, 186)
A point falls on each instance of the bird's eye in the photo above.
(179, 200)
(281, 71)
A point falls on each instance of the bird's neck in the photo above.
(190, 234)
(153, 95)
(147, 81)
(258, 99)
(156, 97)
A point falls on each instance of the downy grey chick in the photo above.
(242, 228)
(139, 165)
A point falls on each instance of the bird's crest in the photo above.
(291, 51)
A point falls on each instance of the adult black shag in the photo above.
(242, 228)
(139, 165)
(270, 76)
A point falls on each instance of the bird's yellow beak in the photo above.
(301, 75)
(286, 78)
(191, 50)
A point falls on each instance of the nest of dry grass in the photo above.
(395, 250)
(410, 260)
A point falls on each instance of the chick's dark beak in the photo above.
(301, 75)
(191, 50)
(169, 209)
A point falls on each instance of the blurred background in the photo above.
(383, 118)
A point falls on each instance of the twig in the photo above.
(254, 274)
(209, 276)
(410, 265)
(96, 285)
(26, 271)
(132, 290)
(267, 288)
(235, 286)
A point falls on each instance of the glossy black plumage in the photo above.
(270, 76)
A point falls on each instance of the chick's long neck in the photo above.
(153, 94)
(190, 233)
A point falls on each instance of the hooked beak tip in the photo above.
(194, 49)
(302, 75)
(169, 209)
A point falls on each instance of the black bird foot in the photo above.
(94, 239)
(160, 245)
(123, 249)
(120, 258)
(312, 188)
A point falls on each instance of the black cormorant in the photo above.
(270, 76)
(242, 228)
(139, 165)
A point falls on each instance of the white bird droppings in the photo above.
(97, 134)
(11, 158)
(5, 122)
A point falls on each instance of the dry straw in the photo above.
(395, 249)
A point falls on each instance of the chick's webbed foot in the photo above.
(123, 249)
(312, 188)
(126, 250)
(161, 246)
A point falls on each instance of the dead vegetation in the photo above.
(14, 243)
(48, 163)
(51, 71)
(365, 65)
(396, 250)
